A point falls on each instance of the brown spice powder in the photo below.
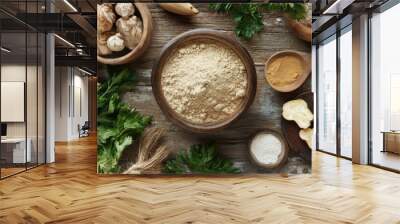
(284, 70)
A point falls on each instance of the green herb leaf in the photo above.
(248, 16)
(297, 11)
(202, 159)
(118, 125)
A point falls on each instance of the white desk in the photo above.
(18, 144)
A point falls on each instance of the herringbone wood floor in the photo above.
(70, 191)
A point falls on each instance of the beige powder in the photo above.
(284, 70)
(204, 82)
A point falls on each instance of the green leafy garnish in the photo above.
(248, 17)
(118, 125)
(201, 159)
(297, 11)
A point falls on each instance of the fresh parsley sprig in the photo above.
(297, 11)
(118, 125)
(248, 17)
(200, 159)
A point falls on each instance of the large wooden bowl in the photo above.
(215, 36)
(306, 62)
(144, 43)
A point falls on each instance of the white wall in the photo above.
(34, 126)
(70, 83)
(79, 117)
(62, 82)
(12, 73)
(16, 73)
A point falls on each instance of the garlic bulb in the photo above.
(124, 9)
(131, 31)
(115, 42)
(105, 17)
(102, 48)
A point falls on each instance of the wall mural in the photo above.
(204, 88)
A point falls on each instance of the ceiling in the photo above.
(72, 20)
(39, 6)
(78, 26)
(332, 15)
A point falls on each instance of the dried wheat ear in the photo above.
(151, 153)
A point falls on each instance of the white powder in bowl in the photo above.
(204, 82)
(266, 148)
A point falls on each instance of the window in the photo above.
(327, 96)
(334, 73)
(394, 102)
(346, 75)
(385, 89)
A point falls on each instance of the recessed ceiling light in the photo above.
(337, 7)
(5, 50)
(70, 5)
(84, 71)
(65, 41)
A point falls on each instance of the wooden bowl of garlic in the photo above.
(123, 32)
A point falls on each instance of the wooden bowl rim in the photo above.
(228, 41)
(300, 81)
(144, 42)
(301, 29)
(283, 156)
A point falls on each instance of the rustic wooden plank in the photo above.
(275, 37)
(265, 113)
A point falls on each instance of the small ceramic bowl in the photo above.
(306, 71)
(282, 158)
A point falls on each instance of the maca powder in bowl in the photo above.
(285, 70)
(204, 82)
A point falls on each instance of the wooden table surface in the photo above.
(265, 112)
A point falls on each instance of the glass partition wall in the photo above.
(334, 94)
(346, 95)
(385, 90)
(22, 77)
(327, 79)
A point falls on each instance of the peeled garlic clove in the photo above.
(131, 31)
(297, 111)
(124, 9)
(105, 17)
(115, 42)
(102, 48)
(307, 135)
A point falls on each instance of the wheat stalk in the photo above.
(151, 153)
